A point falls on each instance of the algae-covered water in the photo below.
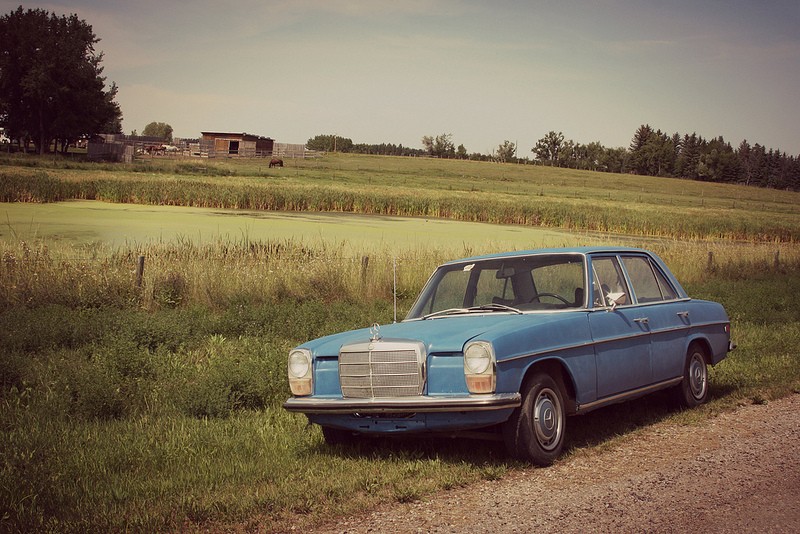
(120, 225)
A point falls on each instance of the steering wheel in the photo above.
(553, 295)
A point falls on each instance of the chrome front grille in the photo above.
(380, 369)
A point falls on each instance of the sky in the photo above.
(395, 70)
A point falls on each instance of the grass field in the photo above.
(157, 408)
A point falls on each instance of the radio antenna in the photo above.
(394, 286)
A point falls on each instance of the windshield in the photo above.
(524, 283)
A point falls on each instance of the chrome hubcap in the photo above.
(698, 377)
(547, 419)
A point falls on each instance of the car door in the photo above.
(620, 332)
(667, 316)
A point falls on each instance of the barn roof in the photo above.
(242, 135)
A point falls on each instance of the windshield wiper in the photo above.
(483, 307)
(495, 307)
(448, 311)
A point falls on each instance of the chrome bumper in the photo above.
(422, 404)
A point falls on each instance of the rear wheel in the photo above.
(535, 431)
(693, 389)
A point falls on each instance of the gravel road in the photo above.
(737, 472)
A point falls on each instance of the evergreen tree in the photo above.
(744, 174)
(689, 158)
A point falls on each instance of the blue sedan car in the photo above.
(515, 342)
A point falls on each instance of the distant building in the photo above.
(227, 145)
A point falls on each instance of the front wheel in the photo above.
(535, 431)
(693, 389)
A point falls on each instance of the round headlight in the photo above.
(299, 363)
(478, 358)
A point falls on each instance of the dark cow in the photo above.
(275, 162)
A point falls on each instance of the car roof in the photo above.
(543, 251)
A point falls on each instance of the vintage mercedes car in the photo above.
(515, 342)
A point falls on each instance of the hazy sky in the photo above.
(395, 70)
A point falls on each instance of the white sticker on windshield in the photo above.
(469, 267)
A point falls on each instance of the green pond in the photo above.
(127, 225)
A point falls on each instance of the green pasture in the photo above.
(154, 404)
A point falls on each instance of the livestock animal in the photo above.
(275, 162)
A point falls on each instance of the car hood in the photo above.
(439, 335)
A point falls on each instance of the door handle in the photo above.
(642, 320)
(683, 314)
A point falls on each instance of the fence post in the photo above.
(777, 259)
(710, 261)
(364, 265)
(139, 271)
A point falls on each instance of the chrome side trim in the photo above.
(575, 346)
(421, 404)
(613, 339)
(620, 397)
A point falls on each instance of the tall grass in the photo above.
(223, 273)
(217, 275)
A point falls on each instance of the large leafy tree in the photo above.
(51, 82)
(162, 130)
(505, 151)
(330, 143)
(549, 148)
(440, 146)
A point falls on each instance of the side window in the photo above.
(648, 283)
(643, 279)
(609, 276)
(667, 290)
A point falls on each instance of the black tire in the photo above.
(535, 430)
(337, 436)
(693, 389)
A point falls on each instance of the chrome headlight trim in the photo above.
(480, 367)
(299, 364)
(478, 357)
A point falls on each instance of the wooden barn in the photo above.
(226, 145)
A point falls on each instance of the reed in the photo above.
(223, 273)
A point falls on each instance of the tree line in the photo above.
(655, 153)
(651, 153)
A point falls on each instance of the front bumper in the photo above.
(421, 404)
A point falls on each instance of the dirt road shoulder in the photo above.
(739, 471)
